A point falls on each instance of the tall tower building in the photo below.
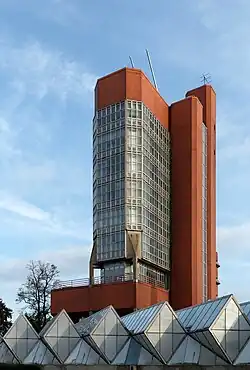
(153, 198)
(192, 128)
(131, 184)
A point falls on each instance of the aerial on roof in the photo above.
(214, 333)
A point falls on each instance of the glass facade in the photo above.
(150, 274)
(134, 183)
(156, 191)
(131, 186)
(117, 271)
(109, 182)
(204, 210)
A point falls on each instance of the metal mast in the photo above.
(151, 69)
(131, 62)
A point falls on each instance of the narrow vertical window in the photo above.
(204, 211)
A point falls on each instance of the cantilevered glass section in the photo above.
(156, 191)
(109, 182)
(131, 191)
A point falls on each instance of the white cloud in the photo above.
(22, 208)
(30, 173)
(28, 219)
(72, 262)
(30, 168)
(217, 41)
(226, 41)
(233, 232)
(63, 13)
(214, 40)
(39, 71)
(27, 151)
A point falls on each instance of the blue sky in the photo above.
(51, 54)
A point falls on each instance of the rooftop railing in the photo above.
(108, 280)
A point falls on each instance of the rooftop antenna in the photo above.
(131, 62)
(206, 78)
(151, 69)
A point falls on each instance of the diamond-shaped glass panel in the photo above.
(61, 336)
(21, 337)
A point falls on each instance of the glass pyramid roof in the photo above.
(84, 354)
(6, 355)
(49, 324)
(86, 325)
(138, 321)
(133, 353)
(41, 354)
(202, 316)
(246, 308)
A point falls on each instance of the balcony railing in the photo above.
(107, 280)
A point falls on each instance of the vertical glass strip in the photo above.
(204, 210)
(108, 182)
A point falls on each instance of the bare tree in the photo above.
(5, 318)
(35, 292)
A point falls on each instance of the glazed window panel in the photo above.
(108, 181)
(131, 181)
(204, 211)
(156, 191)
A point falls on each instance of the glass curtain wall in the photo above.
(131, 188)
(204, 211)
(108, 182)
(148, 189)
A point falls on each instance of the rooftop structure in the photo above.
(213, 333)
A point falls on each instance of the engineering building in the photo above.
(154, 221)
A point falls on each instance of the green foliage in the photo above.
(35, 292)
(5, 318)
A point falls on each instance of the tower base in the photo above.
(125, 297)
